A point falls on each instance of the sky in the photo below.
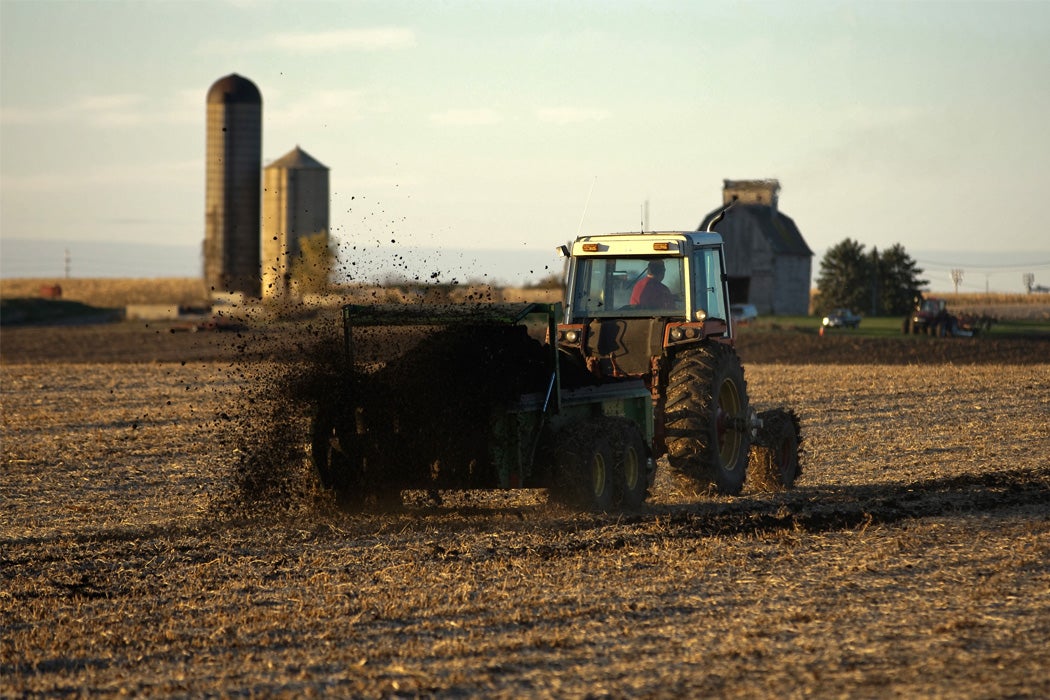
(515, 126)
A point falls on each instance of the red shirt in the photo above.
(651, 294)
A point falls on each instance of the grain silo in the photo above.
(295, 204)
(233, 162)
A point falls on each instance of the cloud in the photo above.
(124, 174)
(119, 109)
(376, 39)
(19, 116)
(321, 106)
(467, 117)
(110, 110)
(328, 41)
(186, 106)
(345, 186)
(123, 109)
(570, 115)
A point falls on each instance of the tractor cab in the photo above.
(932, 307)
(634, 297)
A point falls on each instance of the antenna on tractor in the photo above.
(585, 205)
(721, 215)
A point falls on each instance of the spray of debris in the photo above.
(417, 401)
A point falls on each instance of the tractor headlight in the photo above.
(677, 334)
(570, 336)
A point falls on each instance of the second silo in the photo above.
(233, 161)
(295, 204)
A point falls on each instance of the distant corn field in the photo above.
(112, 293)
(977, 298)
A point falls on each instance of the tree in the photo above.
(883, 284)
(845, 278)
(312, 266)
(899, 281)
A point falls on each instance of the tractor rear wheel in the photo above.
(775, 459)
(707, 417)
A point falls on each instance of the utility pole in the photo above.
(957, 276)
(875, 281)
(69, 263)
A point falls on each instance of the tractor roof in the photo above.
(662, 243)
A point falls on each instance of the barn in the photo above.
(767, 260)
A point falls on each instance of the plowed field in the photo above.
(138, 557)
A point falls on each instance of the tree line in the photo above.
(879, 283)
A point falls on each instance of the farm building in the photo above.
(767, 260)
(295, 204)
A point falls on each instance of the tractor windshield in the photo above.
(628, 286)
(933, 306)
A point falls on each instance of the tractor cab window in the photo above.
(634, 286)
(933, 306)
(708, 292)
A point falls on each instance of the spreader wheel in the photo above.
(335, 455)
(584, 464)
(598, 470)
(775, 462)
(631, 468)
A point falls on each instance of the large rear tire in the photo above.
(706, 419)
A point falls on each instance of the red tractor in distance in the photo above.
(931, 317)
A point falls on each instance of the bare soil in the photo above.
(161, 534)
(172, 342)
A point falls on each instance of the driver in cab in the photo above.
(650, 292)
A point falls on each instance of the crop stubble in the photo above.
(911, 559)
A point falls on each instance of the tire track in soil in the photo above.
(813, 510)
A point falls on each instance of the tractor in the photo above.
(655, 307)
(580, 399)
(931, 317)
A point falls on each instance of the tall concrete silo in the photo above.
(233, 163)
(295, 204)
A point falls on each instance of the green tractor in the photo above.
(581, 400)
(655, 307)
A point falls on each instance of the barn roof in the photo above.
(778, 228)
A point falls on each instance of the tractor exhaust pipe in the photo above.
(721, 215)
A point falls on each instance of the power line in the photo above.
(1005, 267)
